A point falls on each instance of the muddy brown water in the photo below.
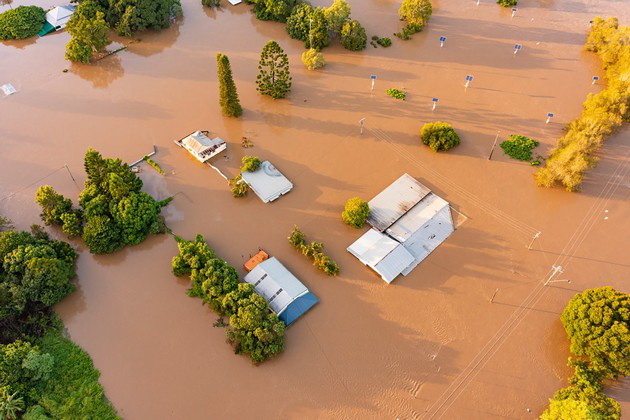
(430, 345)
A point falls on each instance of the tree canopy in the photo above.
(355, 212)
(597, 322)
(228, 96)
(313, 59)
(353, 36)
(439, 136)
(21, 22)
(253, 328)
(250, 163)
(416, 14)
(278, 10)
(114, 212)
(273, 78)
(129, 16)
(89, 32)
(337, 14)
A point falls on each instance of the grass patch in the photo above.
(73, 390)
(519, 147)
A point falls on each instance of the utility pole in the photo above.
(310, 32)
(493, 145)
(361, 122)
(536, 236)
(556, 269)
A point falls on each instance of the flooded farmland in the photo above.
(430, 345)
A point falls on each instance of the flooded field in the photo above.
(430, 345)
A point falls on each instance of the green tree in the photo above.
(228, 97)
(313, 59)
(102, 235)
(416, 14)
(278, 10)
(353, 36)
(298, 23)
(337, 14)
(439, 136)
(250, 163)
(5, 224)
(53, 205)
(355, 212)
(89, 32)
(507, 3)
(129, 16)
(10, 405)
(273, 78)
(597, 322)
(21, 22)
(193, 255)
(318, 37)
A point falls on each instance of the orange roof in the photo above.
(255, 260)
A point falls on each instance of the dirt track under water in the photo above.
(429, 345)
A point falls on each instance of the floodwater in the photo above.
(430, 345)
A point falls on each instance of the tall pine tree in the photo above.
(273, 78)
(228, 97)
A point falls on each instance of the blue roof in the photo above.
(297, 308)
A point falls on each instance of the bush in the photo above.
(355, 212)
(395, 93)
(519, 147)
(416, 14)
(21, 22)
(154, 165)
(238, 187)
(250, 163)
(313, 251)
(439, 136)
(507, 3)
(384, 42)
(597, 322)
(313, 59)
(603, 113)
(253, 328)
(353, 36)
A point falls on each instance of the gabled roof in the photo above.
(59, 13)
(267, 182)
(199, 142)
(416, 218)
(394, 201)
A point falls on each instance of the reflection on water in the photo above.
(152, 42)
(20, 43)
(102, 73)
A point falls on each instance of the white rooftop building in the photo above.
(287, 296)
(57, 18)
(409, 222)
(201, 146)
(267, 182)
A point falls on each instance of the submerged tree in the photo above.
(273, 78)
(129, 16)
(298, 24)
(337, 14)
(313, 59)
(416, 14)
(89, 32)
(228, 97)
(439, 136)
(355, 212)
(353, 36)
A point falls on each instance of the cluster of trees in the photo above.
(439, 136)
(316, 26)
(39, 380)
(415, 14)
(597, 322)
(356, 212)
(93, 19)
(253, 328)
(21, 22)
(313, 251)
(237, 185)
(603, 112)
(113, 211)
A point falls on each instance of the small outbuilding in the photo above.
(287, 296)
(408, 222)
(201, 146)
(267, 182)
(56, 19)
(235, 2)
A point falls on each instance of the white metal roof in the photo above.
(416, 218)
(394, 201)
(276, 284)
(234, 2)
(60, 15)
(382, 253)
(267, 182)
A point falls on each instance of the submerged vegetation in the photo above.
(507, 3)
(396, 93)
(154, 165)
(253, 328)
(519, 147)
(42, 374)
(250, 163)
(113, 211)
(314, 252)
(603, 113)
(21, 22)
(597, 322)
(416, 14)
(228, 96)
(313, 59)
(273, 78)
(439, 136)
(355, 212)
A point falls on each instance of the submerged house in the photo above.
(408, 222)
(287, 296)
(56, 19)
(267, 182)
(201, 146)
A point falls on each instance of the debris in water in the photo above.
(8, 89)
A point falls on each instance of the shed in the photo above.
(56, 19)
(267, 182)
(235, 2)
(255, 260)
(394, 201)
(201, 146)
(382, 254)
(287, 296)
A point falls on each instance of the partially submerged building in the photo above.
(267, 182)
(56, 19)
(287, 296)
(408, 222)
(201, 146)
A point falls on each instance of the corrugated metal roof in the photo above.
(276, 284)
(416, 218)
(383, 254)
(394, 201)
(267, 182)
